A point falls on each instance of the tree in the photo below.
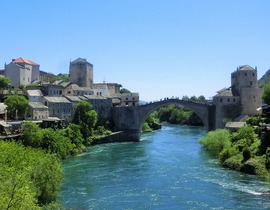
(54, 141)
(266, 93)
(17, 106)
(73, 132)
(86, 117)
(201, 98)
(124, 90)
(4, 82)
(31, 134)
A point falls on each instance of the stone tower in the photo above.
(81, 73)
(244, 84)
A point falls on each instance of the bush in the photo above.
(233, 162)
(216, 141)
(227, 153)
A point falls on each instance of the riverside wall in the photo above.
(120, 136)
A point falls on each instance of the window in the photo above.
(228, 100)
(220, 100)
(250, 83)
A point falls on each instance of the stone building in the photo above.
(126, 99)
(114, 88)
(101, 105)
(59, 107)
(22, 72)
(70, 89)
(37, 111)
(34, 95)
(101, 89)
(75, 100)
(242, 98)
(51, 90)
(81, 73)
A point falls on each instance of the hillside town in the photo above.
(54, 103)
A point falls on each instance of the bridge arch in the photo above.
(201, 109)
(130, 119)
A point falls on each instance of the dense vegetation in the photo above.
(242, 151)
(30, 178)
(30, 169)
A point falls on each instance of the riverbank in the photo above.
(242, 151)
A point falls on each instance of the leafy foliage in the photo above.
(175, 115)
(29, 177)
(216, 141)
(73, 133)
(51, 78)
(4, 82)
(32, 135)
(151, 123)
(17, 106)
(86, 117)
(266, 93)
(124, 90)
(55, 142)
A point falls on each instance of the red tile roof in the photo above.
(23, 60)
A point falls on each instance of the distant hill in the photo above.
(264, 79)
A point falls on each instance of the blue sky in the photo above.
(155, 47)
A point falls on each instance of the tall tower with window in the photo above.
(244, 84)
(81, 73)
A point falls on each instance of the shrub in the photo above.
(227, 153)
(216, 141)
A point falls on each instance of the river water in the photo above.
(168, 169)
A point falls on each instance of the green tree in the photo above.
(124, 90)
(201, 98)
(193, 98)
(4, 82)
(31, 134)
(185, 98)
(54, 141)
(86, 117)
(73, 132)
(17, 106)
(266, 93)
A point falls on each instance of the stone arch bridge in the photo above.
(130, 119)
